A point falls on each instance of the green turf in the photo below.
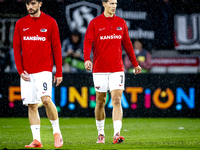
(81, 133)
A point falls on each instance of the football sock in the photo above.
(117, 126)
(100, 126)
(36, 132)
(55, 125)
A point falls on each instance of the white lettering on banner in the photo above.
(106, 37)
(133, 15)
(34, 38)
(187, 32)
(141, 34)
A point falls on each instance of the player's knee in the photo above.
(101, 97)
(116, 101)
(100, 103)
(46, 100)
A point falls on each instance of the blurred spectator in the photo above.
(72, 49)
(143, 58)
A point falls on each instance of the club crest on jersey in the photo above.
(119, 28)
(43, 30)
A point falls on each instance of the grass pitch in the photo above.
(81, 133)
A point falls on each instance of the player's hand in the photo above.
(25, 76)
(88, 65)
(137, 70)
(57, 80)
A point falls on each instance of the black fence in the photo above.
(145, 95)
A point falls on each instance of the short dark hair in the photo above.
(104, 1)
(27, 1)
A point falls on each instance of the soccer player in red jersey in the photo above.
(36, 41)
(105, 35)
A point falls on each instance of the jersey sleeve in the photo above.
(17, 47)
(56, 46)
(89, 39)
(126, 42)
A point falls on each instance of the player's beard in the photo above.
(33, 11)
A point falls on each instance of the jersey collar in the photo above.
(109, 18)
(37, 17)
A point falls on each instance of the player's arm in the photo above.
(17, 47)
(88, 41)
(56, 45)
(126, 42)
